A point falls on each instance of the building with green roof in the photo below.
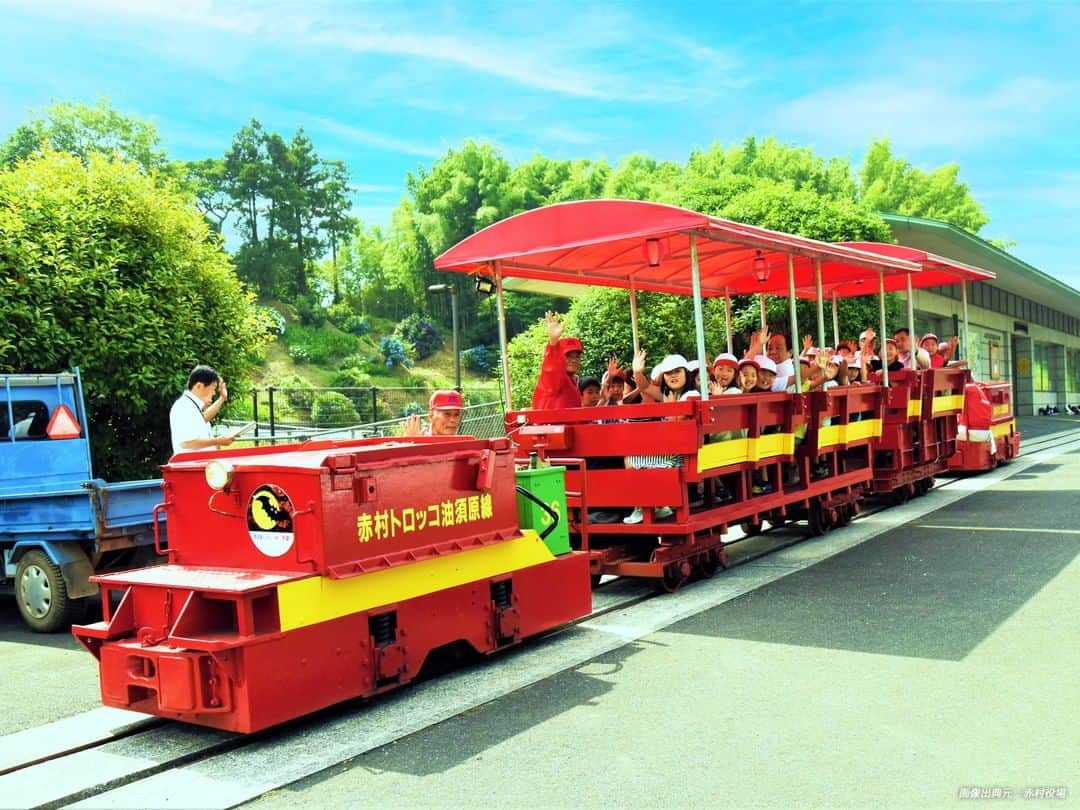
(1025, 325)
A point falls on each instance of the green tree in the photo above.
(205, 181)
(333, 213)
(102, 268)
(893, 186)
(84, 131)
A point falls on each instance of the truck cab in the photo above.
(59, 525)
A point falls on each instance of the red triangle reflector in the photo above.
(62, 425)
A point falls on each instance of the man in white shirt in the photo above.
(779, 352)
(191, 414)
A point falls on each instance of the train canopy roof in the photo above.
(607, 243)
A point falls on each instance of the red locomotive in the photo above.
(302, 576)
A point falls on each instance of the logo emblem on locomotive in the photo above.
(270, 520)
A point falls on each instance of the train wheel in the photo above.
(818, 519)
(707, 564)
(900, 495)
(675, 574)
(844, 515)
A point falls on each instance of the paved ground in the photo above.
(932, 659)
(1035, 426)
(928, 660)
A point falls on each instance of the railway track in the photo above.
(110, 758)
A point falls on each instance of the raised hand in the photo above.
(612, 366)
(639, 361)
(553, 323)
(807, 343)
(412, 425)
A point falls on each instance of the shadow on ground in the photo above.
(915, 591)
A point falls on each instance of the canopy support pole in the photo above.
(881, 313)
(699, 319)
(633, 318)
(727, 320)
(835, 323)
(912, 349)
(503, 349)
(964, 340)
(761, 296)
(820, 307)
(794, 319)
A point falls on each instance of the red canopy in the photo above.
(934, 271)
(606, 243)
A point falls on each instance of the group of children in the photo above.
(676, 379)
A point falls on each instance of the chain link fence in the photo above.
(295, 414)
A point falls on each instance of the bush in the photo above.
(480, 359)
(412, 408)
(310, 312)
(330, 409)
(298, 391)
(355, 325)
(351, 377)
(275, 321)
(421, 334)
(311, 344)
(393, 352)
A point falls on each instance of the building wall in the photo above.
(1043, 364)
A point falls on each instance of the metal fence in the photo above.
(293, 414)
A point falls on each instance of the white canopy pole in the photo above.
(762, 297)
(881, 310)
(820, 307)
(633, 318)
(794, 320)
(727, 320)
(835, 323)
(964, 338)
(503, 348)
(699, 319)
(911, 323)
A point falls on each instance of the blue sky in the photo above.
(390, 86)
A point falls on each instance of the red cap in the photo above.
(446, 400)
(570, 344)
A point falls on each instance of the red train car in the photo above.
(302, 576)
(987, 434)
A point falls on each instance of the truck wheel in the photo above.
(42, 595)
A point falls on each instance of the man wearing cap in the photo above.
(444, 415)
(557, 385)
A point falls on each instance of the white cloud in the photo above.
(378, 139)
(920, 115)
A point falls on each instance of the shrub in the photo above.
(355, 325)
(298, 391)
(421, 334)
(318, 346)
(309, 311)
(480, 359)
(275, 321)
(412, 408)
(331, 408)
(351, 377)
(393, 352)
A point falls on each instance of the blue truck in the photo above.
(59, 525)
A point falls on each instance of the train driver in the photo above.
(444, 415)
(557, 384)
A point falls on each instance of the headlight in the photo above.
(219, 474)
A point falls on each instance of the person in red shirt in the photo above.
(557, 384)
